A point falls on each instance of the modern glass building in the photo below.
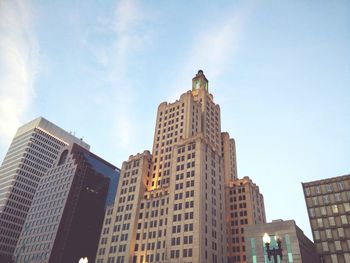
(65, 219)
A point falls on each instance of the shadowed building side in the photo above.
(65, 220)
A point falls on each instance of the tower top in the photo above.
(199, 81)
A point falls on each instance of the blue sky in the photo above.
(280, 71)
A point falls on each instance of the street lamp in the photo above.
(83, 260)
(272, 252)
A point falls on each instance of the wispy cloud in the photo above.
(126, 28)
(213, 48)
(18, 65)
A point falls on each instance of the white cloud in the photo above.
(18, 66)
(129, 38)
(212, 50)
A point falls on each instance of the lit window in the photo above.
(335, 209)
(347, 207)
(344, 220)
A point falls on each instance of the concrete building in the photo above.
(245, 204)
(66, 216)
(296, 247)
(171, 204)
(32, 152)
(328, 205)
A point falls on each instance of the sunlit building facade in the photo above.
(171, 204)
(33, 151)
(245, 206)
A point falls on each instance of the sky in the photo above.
(280, 71)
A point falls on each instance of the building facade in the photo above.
(171, 204)
(65, 220)
(32, 152)
(296, 247)
(245, 204)
(328, 205)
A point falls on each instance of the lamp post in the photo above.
(272, 252)
(83, 260)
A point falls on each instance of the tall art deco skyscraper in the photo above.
(170, 205)
(32, 152)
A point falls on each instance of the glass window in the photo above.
(334, 258)
(331, 221)
(326, 199)
(318, 189)
(307, 191)
(340, 186)
(347, 207)
(317, 235)
(312, 212)
(323, 210)
(329, 188)
(314, 200)
(329, 233)
(344, 220)
(319, 222)
(324, 246)
(337, 197)
(341, 232)
(337, 245)
(335, 209)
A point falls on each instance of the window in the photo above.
(337, 197)
(324, 246)
(319, 222)
(329, 233)
(347, 207)
(340, 186)
(317, 235)
(323, 210)
(335, 209)
(344, 220)
(326, 199)
(341, 232)
(318, 189)
(314, 200)
(331, 221)
(307, 191)
(312, 212)
(329, 188)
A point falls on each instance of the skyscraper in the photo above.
(170, 206)
(328, 204)
(65, 219)
(32, 152)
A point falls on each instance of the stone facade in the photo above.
(245, 204)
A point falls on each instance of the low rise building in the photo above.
(296, 247)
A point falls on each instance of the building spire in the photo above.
(199, 81)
